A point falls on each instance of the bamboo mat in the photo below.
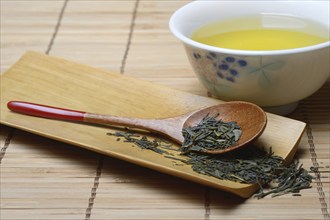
(45, 179)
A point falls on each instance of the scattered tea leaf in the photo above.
(249, 165)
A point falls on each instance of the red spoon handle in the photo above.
(45, 111)
(168, 126)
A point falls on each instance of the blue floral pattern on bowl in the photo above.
(230, 68)
(227, 67)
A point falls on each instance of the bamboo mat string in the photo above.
(207, 203)
(315, 163)
(94, 188)
(7, 143)
(58, 24)
(130, 35)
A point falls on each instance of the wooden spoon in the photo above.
(251, 118)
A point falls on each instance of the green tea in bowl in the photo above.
(263, 32)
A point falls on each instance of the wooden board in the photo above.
(54, 81)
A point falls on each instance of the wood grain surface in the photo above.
(79, 87)
(42, 178)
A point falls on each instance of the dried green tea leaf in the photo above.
(248, 165)
(210, 134)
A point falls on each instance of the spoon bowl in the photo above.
(251, 119)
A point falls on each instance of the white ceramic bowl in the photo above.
(275, 80)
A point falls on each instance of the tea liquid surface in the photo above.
(264, 32)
